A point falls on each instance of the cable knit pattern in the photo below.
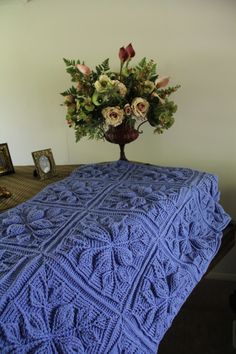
(102, 261)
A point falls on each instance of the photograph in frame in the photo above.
(44, 164)
(6, 166)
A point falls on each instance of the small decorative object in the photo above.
(44, 163)
(107, 104)
(4, 193)
(6, 165)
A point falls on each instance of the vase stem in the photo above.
(122, 152)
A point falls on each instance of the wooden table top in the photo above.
(23, 185)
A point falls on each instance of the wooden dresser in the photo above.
(23, 185)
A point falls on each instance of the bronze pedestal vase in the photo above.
(122, 134)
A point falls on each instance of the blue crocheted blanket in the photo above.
(102, 261)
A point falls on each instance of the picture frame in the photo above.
(44, 164)
(6, 166)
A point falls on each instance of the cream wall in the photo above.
(193, 41)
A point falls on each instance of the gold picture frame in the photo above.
(6, 166)
(44, 163)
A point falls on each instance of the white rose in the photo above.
(139, 107)
(113, 115)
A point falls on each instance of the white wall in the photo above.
(193, 41)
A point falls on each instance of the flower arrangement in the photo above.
(102, 98)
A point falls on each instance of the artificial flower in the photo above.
(102, 97)
(127, 110)
(103, 83)
(149, 86)
(122, 90)
(123, 54)
(162, 82)
(69, 99)
(98, 99)
(130, 50)
(113, 115)
(139, 107)
(84, 69)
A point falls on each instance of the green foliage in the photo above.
(146, 70)
(93, 131)
(102, 68)
(101, 88)
(70, 91)
(70, 62)
(161, 115)
(163, 93)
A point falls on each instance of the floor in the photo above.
(204, 324)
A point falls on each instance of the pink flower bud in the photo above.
(127, 109)
(84, 69)
(162, 82)
(130, 50)
(123, 54)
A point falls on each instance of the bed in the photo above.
(102, 261)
